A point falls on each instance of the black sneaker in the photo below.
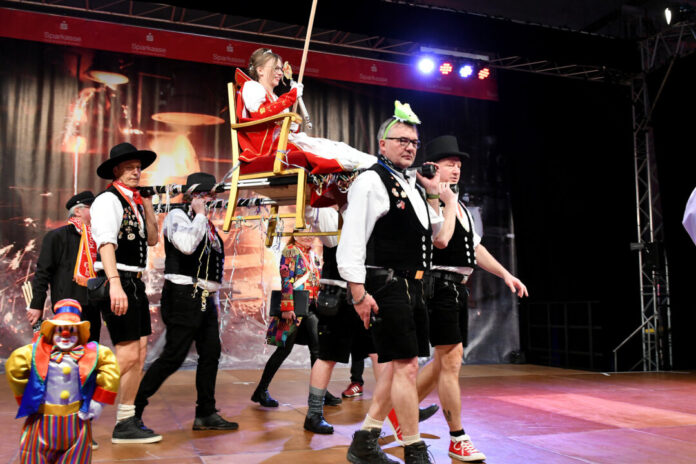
(427, 413)
(331, 400)
(417, 453)
(365, 449)
(213, 422)
(132, 430)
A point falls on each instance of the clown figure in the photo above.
(61, 383)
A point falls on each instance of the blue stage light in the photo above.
(466, 71)
(426, 65)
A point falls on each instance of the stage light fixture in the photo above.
(446, 68)
(426, 65)
(484, 73)
(466, 71)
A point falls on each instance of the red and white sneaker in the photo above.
(462, 449)
(353, 390)
(394, 423)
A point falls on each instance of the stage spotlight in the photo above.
(484, 73)
(677, 13)
(446, 68)
(466, 71)
(426, 65)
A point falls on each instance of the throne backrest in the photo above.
(254, 141)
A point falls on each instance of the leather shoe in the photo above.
(264, 399)
(213, 422)
(330, 400)
(316, 423)
(427, 413)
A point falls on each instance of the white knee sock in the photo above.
(411, 439)
(370, 423)
(124, 411)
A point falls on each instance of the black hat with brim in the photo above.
(124, 152)
(83, 198)
(443, 146)
(200, 181)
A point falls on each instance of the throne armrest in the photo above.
(294, 117)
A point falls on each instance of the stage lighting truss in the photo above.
(161, 15)
(446, 68)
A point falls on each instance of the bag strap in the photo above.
(302, 280)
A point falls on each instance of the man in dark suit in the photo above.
(65, 263)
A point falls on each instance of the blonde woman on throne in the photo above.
(257, 100)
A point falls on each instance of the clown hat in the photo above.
(67, 312)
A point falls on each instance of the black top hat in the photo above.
(124, 152)
(203, 182)
(83, 198)
(443, 146)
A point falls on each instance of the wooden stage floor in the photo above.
(514, 413)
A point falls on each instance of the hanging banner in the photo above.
(100, 35)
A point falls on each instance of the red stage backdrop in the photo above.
(101, 35)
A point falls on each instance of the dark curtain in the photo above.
(48, 103)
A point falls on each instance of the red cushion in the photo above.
(265, 163)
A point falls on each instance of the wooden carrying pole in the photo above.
(306, 47)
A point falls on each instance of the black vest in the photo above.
(399, 240)
(329, 270)
(132, 240)
(204, 263)
(460, 249)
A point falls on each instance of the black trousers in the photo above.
(186, 324)
(308, 334)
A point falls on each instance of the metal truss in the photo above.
(226, 25)
(575, 71)
(332, 40)
(657, 51)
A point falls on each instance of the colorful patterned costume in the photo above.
(56, 388)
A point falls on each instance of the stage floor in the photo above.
(514, 413)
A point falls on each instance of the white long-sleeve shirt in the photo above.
(368, 201)
(107, 214)
(186, 234)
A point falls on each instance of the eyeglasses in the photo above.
(404, 142)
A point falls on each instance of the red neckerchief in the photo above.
(76, 353)
(86, 253)
(212, 237)
(136, 193)
(137, 199)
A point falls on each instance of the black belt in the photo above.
(130, 274)
(380, 272)
(449, 276)
(126, 274)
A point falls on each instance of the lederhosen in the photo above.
(398, 253)
(448, 301)
(344, 333)
(131, 251)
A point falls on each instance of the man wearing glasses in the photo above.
(385, 248)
